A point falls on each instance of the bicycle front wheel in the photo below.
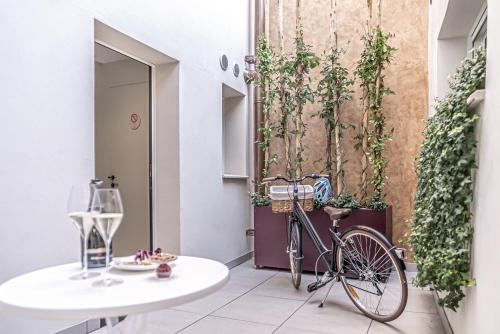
(295, 254)
(372, 275)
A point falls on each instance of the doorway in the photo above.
(123, 142)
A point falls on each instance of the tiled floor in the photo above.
(264, 301)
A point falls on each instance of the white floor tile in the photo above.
(210, 303)
(409, 323)
(159, 322)
(216, 325)
(260, 309)
(281, 286)
(420, 301)
(259, 300)
(338, 315)
(290, 330)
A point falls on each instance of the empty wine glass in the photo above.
(107, 213)
(79, 211)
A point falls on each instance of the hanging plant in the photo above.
(376, 55)
(442, 232)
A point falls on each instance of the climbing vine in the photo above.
(266, 68)
(302, 62)
(441, 231)
(333, 91)
(376, 55)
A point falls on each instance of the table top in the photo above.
(50, 293)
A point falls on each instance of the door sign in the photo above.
(134, 121)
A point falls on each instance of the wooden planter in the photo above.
(271, 234)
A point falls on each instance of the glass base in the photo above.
(108, 282)
(82, 276)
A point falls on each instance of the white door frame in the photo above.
(165, 219)
(151, 136)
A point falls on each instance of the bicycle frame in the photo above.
(298, 215)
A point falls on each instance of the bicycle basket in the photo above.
(282, 196)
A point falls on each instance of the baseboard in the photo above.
(442, 315)
(239, 260)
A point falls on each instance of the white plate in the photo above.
(126, 263)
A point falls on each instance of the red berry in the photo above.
(163, 270)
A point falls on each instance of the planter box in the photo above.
(271, 234)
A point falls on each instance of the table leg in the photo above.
(136, 323)
(133, 324)
(110, 328)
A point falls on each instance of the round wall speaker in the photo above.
(236, 70)
(224, 63)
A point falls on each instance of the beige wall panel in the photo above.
(406, 112)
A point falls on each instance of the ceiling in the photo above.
(105, 55)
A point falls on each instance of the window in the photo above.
(234, 134)
(478, 35)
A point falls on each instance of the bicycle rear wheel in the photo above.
(295, 253)
(372, 275)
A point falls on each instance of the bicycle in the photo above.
(361, 258)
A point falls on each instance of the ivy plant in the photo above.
(259, 199)
(376, 55)
(442, 232)
(345, 200)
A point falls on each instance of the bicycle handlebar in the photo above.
(294, 180)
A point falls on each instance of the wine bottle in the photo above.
(96, 250)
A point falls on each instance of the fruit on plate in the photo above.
(142, 257)
(163, 270)
(163, 257)
(159, 257)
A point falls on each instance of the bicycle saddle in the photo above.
(337, 213)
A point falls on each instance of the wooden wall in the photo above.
(406, 111)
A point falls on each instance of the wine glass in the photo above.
(107, 213)
(79, 212)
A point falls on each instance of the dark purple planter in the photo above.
(271, 234)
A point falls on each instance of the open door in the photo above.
(123, 142)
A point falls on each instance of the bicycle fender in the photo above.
(382, 237)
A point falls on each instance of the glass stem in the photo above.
(85, 257)
(107, 244)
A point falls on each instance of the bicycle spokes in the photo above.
(372, 276)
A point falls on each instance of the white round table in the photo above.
(50, 293)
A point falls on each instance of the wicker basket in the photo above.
(282, 206)
(281, 198)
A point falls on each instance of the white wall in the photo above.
(478, 313)
(47, 101)
(450, 22)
